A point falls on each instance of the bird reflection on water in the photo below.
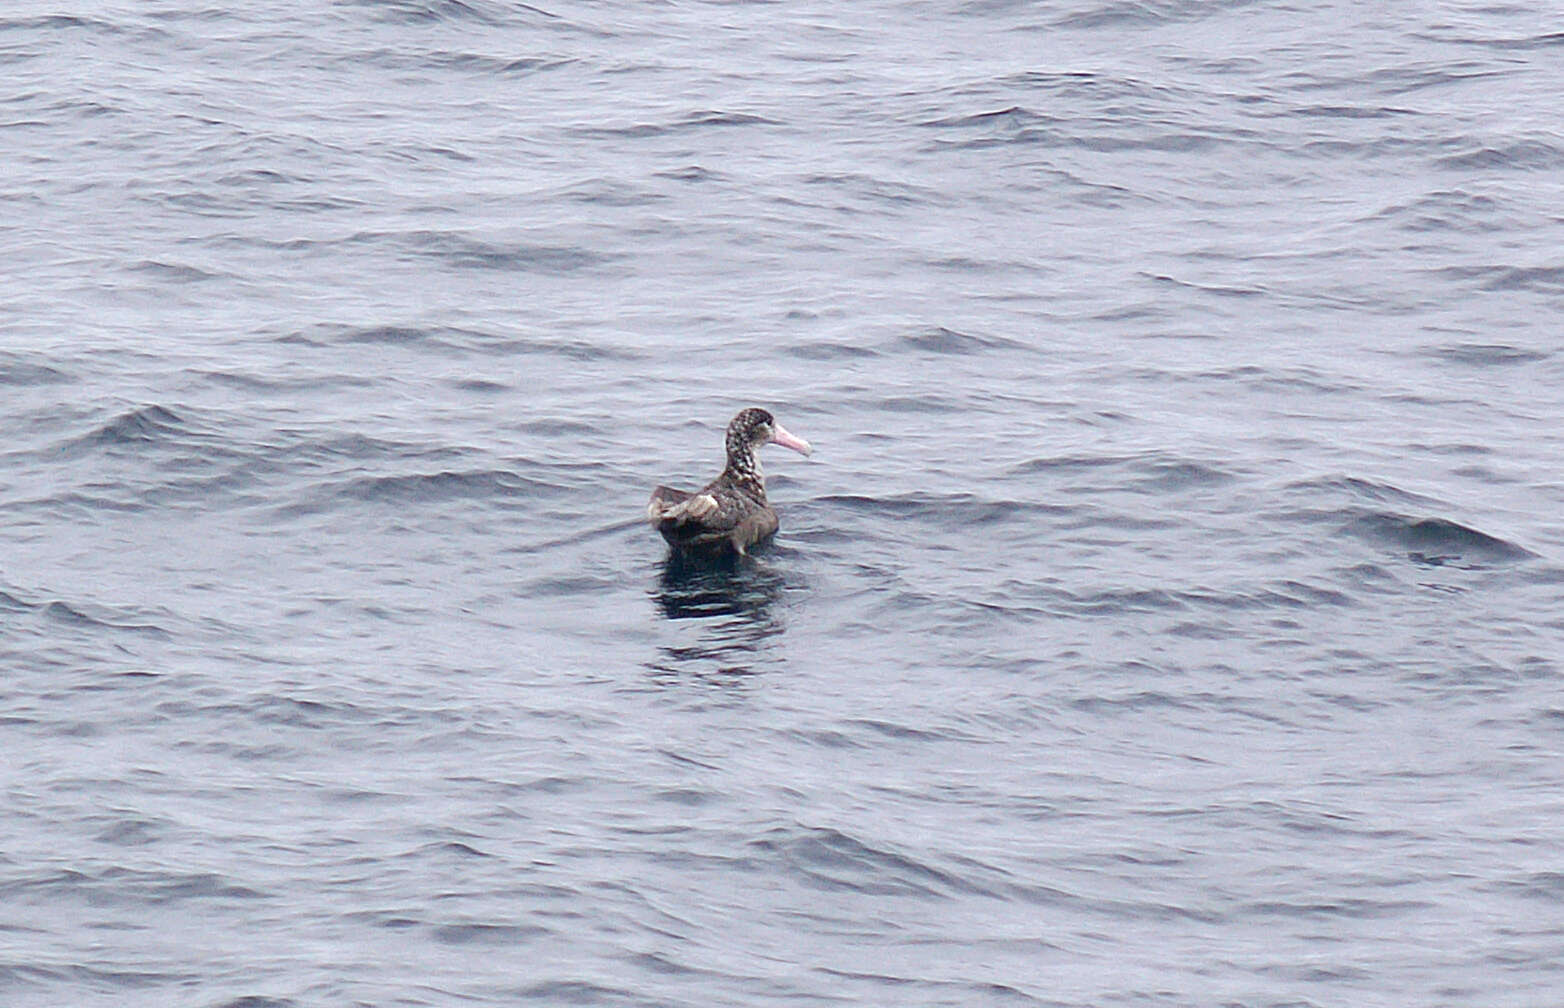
(731, 599)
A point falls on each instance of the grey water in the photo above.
(1172, 612)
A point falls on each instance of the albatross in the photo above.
(729, 514)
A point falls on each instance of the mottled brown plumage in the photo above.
(729, 514)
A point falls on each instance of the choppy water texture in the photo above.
(1171, 613)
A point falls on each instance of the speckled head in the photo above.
(749, 430)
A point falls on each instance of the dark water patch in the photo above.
(829, 859)
(1097, 194)
(1144, 312)
(1521, 155)
(391, 334)
(302, 712)
(426, 61)
(444, 486)
(198, 886)
(608, 192)
(665, 965)
(155, 456)
(1349, 908)
(451, 340)
(615, 531)
(569, 585)
(1359, 489)
(1543, 885)
(1067, 464)
(827, 350)
(115, 885)
(1520, 43)
(1141, 701)
(1163, 475)
(1146, 13)
(687, 796)
(137, 428)
(558, 427)
(363, 796)
(389, 919)
(1285, 595)
(261, 177)
(23, 373)
(570, 349)
(416, 153)
(63, 23)
(1169, 139)
(200, 203)
(86, 108)
(828, 738)
(691, 173)
(505, 935)
(1078, 86)
(1447, 210)
(944, 510)
(482, 386)
(1537, 279)
(262, 196)
(270, 754)
(1349, 111)
(1418, 76)
(317, 447)
(905, 733)
(273, 383)
(1127, 122)
(1351, 702)
(1434, 541)
(422, 12)
(66, 614)
(940, 340)
(462, 251)
(182, 272)
(504, 67)
(727, 660)
(576, 992)
(258, 1001)
(967, 265)
(713, 117)
(923, 990)
(1152, 473)
(84, 506)
(1281, 378)
(1487, 354)
(1116, 601)
(102, 978)
(929, 402)
(1012, 117)
(696, 120)
(1220, 290)
(879, 191)
(546, 785)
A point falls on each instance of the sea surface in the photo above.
(1171, 613)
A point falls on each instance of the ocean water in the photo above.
(1172, 612)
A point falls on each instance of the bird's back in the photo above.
(719, 516)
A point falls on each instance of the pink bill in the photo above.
(786, 440)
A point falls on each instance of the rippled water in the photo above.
(1170, 613)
